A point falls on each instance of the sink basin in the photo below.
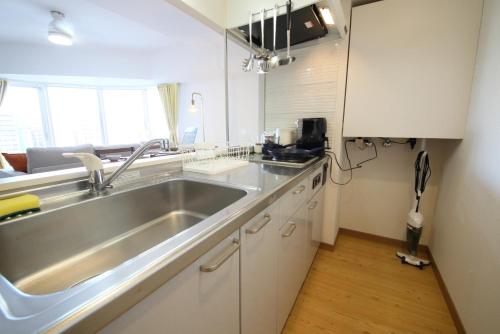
(53, 251)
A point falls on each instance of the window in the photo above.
(74, 113)
(21, 120)
(49, 115)
(125, 115)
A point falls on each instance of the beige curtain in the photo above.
(168, 95)
(3, 89)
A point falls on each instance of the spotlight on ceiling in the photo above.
(57, 33)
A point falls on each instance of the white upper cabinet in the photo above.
(411, 67)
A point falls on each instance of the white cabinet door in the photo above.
(291, 263)
(294, 199)
(193, 301)
(315, 209)
(259, 261)
(411, 65)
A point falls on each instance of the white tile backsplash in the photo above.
(306, 88)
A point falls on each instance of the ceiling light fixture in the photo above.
(327, 16)
(57, 34)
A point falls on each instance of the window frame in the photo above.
(45, 110)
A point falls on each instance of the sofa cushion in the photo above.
(18, 161)
(39, 159)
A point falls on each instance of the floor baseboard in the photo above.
(447, 297)
(327, 247)
(424, 250)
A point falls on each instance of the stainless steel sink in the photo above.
(53, 251)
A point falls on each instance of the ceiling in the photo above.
(145, 24)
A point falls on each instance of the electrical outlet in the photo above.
(360, 143)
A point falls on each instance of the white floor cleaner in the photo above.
(415, 222)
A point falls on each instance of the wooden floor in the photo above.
(361, 287)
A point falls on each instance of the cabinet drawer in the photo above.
(194, 301)
(294, 199)
(259, 259)
(291, 263)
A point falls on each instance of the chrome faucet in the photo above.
(97, 181)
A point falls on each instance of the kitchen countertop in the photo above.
(90, 306)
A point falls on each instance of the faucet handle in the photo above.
(90, 161)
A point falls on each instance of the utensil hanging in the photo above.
(262, 64)
(275, 58)
(289, 59)
(263, 60)
(248, 63)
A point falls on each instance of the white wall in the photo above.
(37, 59)
(380, 195)
(213, 96)
(466, 240)
(244, 97)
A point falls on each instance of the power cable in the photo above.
(351, 168)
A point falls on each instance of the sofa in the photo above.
(48, 159)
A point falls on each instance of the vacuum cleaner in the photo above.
(415, 221)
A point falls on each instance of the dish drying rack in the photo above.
(211, 159)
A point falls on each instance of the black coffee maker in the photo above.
(312, 134)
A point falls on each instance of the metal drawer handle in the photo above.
(259, 226)
(290, 231)
(301, 189)
(217, 261)
(313, 205)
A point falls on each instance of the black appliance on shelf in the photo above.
(310, 143)
(312, 134)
